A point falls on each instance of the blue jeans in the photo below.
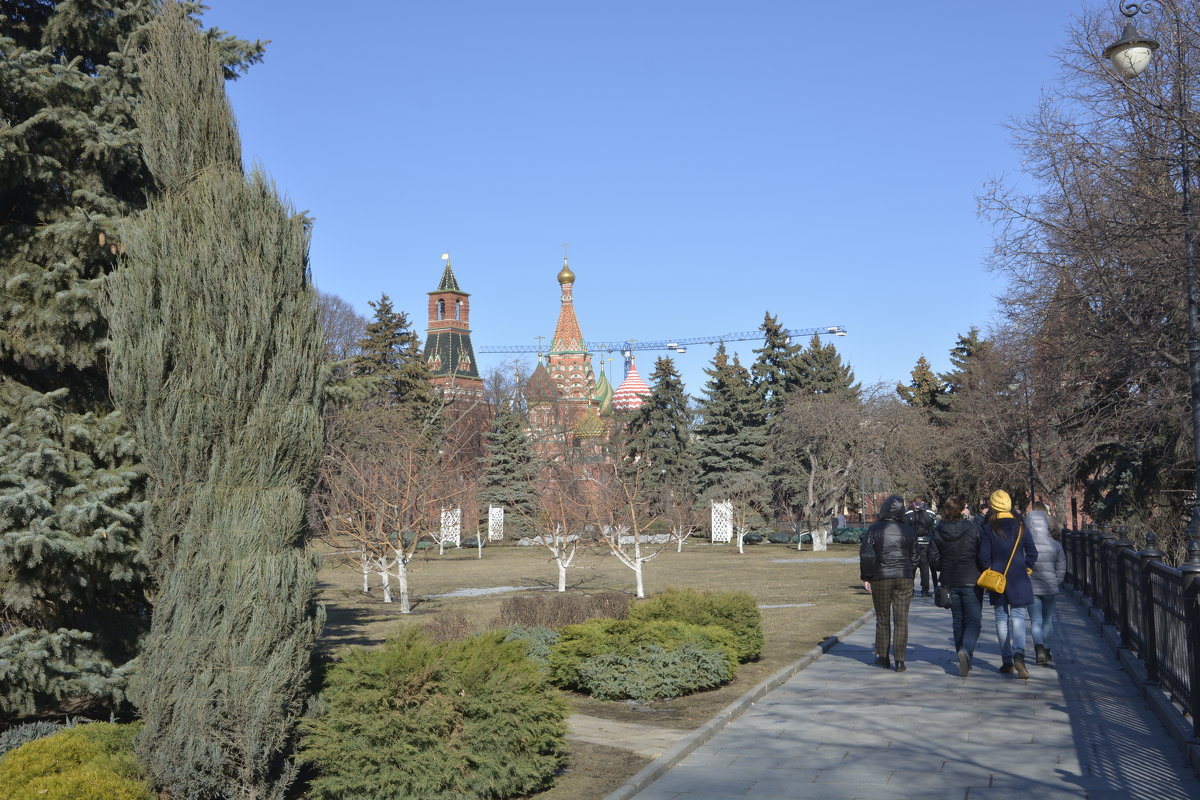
(1010, 630)
(966, 606)
(1041, 618)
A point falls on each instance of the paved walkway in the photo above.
(841, 729)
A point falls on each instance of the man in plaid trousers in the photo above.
(887, 560)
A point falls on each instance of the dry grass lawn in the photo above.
(805, 597)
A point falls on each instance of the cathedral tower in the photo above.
(448, 351)
(569, 362)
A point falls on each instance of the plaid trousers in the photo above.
(891, 598)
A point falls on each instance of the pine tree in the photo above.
(926, 391)
(731, 434)
(390, 353)
(775, 368)
(963, 355)
(821, 371)
(216, 360)
(70, 488)
(659, 435)
(509, 470)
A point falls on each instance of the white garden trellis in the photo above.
(495, 523)
(451, 530)
(722, 521)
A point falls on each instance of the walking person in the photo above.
(1047, 578)
(1006, 547)
(922, 521)
(954, 552)
(887, 559)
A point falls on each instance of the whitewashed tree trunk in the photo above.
(479, 543)
(820, 539)
(680, 533)
(402, 581)
(385, 580)
(799, 541)
(562, 575)
(441, 547)
(366, 571)
(741, 532)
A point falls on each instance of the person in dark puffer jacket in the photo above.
(954, 552)
(887, 560)
(1047, 578)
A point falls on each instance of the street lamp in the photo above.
(1130, 55)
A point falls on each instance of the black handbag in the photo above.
(941, 597)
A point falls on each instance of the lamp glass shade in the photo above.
(1129, 60)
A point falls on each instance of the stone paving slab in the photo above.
(842, 729)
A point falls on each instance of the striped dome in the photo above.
(632, 391)
(604, 394)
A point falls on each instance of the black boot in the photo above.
(1049, 659)
(1040, 649)
(883, 661)
(1019, 666)
(900, 666)
(1006, 667)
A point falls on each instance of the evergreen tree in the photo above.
(731, 434)
(70, 489)
(963, 355)
(926, 391)
(821, 371)
(509, 470)
(659, 435)
(390, 354)
(216, 360)
(775, 368)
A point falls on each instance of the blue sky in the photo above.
(706, 161)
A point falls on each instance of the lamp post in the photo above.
(1129, 56)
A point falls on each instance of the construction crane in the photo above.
(627, 347)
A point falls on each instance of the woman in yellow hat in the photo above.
(1006, 547)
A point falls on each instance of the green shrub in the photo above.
(90, 762)
(556, 609)
(598, 637)
(654, 673)
(538, 641)
(416, 718)
(737, 612)
(849, 535)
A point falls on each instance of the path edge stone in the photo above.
(654, 770)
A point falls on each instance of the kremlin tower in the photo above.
(448, 351)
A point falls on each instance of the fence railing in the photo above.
(1154, 607)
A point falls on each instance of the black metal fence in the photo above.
(1154, 607)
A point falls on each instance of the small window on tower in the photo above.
(458, 309)
(441, 309)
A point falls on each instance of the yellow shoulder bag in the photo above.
(996, 581)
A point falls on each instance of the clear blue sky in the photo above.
(706, 161)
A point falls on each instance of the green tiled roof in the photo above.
(449, 282)
(449, 353)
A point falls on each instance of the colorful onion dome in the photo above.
(540, 387)
(632, 391)
(590, 426)
(604, 394)
(565, 275)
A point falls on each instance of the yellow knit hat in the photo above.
(1001, 503)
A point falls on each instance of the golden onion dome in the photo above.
(565, 275)
(590, 426)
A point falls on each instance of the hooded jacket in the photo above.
(954, 552)
(1051, 566)
(889, 549)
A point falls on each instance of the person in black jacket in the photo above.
(954, 552)
(923, 521)
(887, 559)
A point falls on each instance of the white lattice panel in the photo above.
(495, 523)
(722, 521)
(452, 526)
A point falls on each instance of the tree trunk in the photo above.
(402, 580)
(366, 572)
(385, 581)
(562, 575)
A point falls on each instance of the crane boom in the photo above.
(627, 347)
